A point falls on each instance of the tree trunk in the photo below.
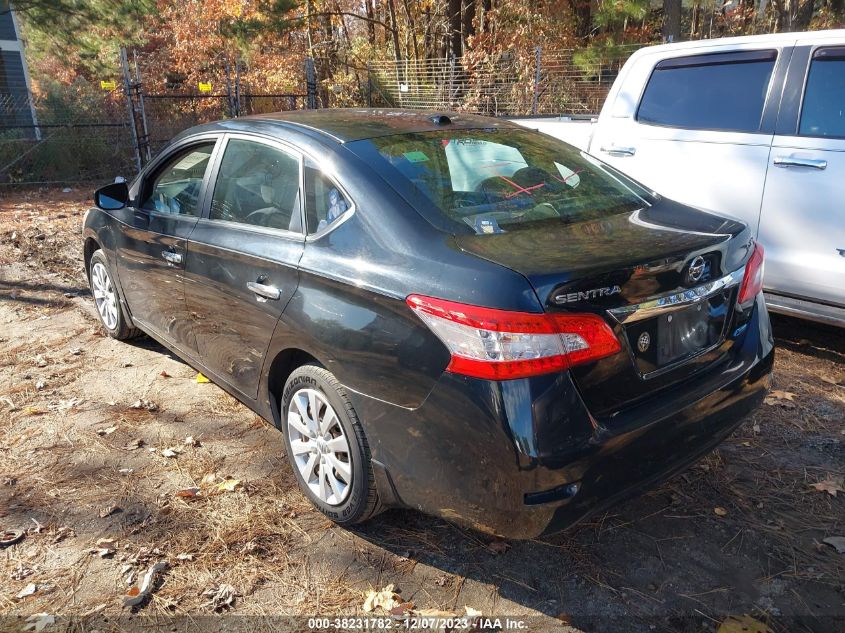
(671, 20)
(454, 17)
(397, 52)
(371, 27)
(582, 10)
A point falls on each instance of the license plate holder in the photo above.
(672, 337)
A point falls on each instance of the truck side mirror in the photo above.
(112, 197)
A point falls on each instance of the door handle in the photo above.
(613, 150)
(171, 257)
(792, 161)
(264, 291)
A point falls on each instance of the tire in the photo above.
(107, 300)
(345, 451)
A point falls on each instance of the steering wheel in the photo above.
(262, 217)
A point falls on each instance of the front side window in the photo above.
(496, 180)
(823, 112)
(709, 92)
(175, 189)
(258, 185)
(324, 201)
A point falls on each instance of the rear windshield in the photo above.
(497, 180)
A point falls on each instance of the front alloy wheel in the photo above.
(319, 446)
(104, 295)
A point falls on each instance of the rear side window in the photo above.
(325, 203)
(823, 112)
(709, 92)
(498, 180)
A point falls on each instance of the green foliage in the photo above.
(593, 60)
(83, 30)
(611, 15)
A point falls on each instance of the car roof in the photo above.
(783, 39)
(353, 124)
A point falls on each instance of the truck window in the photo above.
(709, 92)
(823, 113)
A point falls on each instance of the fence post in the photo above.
(537, 69)
(130, 110)
(237, 86)
(229, 88)
(310, 84)
(139, 87)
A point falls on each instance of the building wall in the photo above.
(15, 103)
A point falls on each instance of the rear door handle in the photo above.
(792, 161)
(264, 291)
(613, 150)
(172, 257)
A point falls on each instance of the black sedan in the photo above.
(445, 312)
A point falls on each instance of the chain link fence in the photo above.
(562, 82)
(84, 133)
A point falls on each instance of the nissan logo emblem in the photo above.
(695, 270)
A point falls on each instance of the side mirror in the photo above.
(112, 197)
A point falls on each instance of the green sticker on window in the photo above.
(415, 157)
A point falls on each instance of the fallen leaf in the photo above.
(742, 624)
(108, 511)
(720, 511)
(401, 609)
(472, 613)
(105, 547)
(836, 541)
(832, 485)
(386, 599)
(228, 485)
(498, 547)
(185, 556)
(137, 593)
(164, 374)
(33, 411)
(190, 441)
(189, 493)
(222, 597)
(107, 431)
(144, 404)
(442, 581)
(778, 397)
(62, 533)
(27, 591)
(37, 622)
(173, 451)
(134, 445)
(126, 471)
(209, 479)
(202, 379)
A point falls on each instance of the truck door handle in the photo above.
(172, 257)
(792, 161)
(264, 291)
(613, 150)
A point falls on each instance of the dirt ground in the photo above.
(85, 421)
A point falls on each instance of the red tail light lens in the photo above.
(752, 281)
(501, 345)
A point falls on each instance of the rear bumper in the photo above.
(522, 458)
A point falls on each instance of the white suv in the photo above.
(752, 127)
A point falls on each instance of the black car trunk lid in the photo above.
(663, 277)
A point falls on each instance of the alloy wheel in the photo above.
(104, 295)
(319, 446)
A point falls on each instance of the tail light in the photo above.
(752, 281)
(500, 345)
